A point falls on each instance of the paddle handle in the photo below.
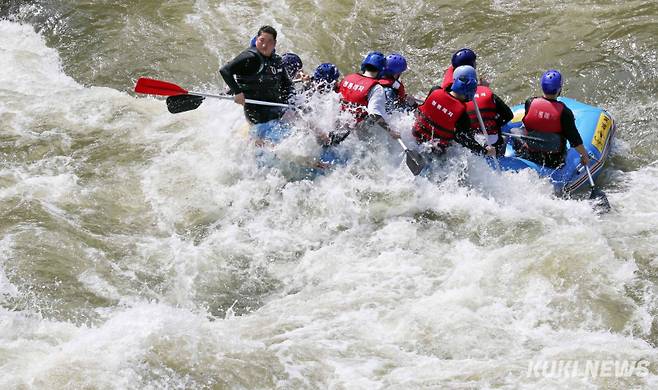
(250, 101)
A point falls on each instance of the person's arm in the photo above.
(569, 129)
(465, 136)
(246, 63)
(527, 105)
(505, 113)
(570, 132)
(377, 103)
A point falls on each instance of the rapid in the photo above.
(145, 250)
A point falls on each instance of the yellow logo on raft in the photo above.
(602, 130)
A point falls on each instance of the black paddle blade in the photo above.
(415, 162)
(599, 201)
(182, 103)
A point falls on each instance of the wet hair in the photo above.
(268, 30)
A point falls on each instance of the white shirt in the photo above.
(377, 102)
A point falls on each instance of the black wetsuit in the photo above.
(504, 115)
(259, 78)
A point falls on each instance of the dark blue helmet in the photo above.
(395, 64)
(463, 56)
(292, 64)
(375, 59)
(326, 72)
(551, 82)
(465, 81)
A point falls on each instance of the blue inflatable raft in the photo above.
(597, 129)
(274, 132)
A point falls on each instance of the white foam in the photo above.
(366, 277)
(7, 289)
(127, 350)
(23, 50)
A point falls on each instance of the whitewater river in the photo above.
(145, 250)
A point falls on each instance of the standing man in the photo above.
(258, 73)
(553, 122)
(442, 118)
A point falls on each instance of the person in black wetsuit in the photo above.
(258, 73)
(552, 122)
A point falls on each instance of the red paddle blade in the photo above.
(157, 87)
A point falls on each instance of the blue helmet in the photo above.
(395, 64)
(465, 81)
(326, 72)
(551, 82)
(375, 59)
(463, 56)
(292, 63)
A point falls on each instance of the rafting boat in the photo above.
(597, 129)
(269, 137)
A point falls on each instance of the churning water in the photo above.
(141, 249)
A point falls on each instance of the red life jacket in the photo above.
(487, 106)
(389, 83)
(448, 77)
(437, 117)
(543, 116)
(354, 89)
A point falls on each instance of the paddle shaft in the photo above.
(250, 101)
(522, 136)
(484, 130)
(589, 176)
(403, 145)
(151, 86)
